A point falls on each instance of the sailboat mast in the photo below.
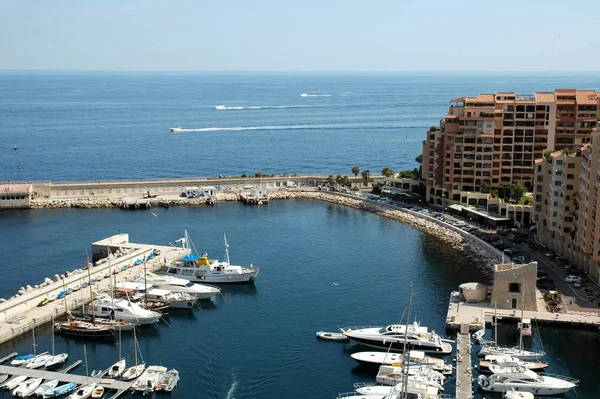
(33, 338)
(496, 323)
(406, 357)
(522, 312)
(87, 259)
(135, 346)
(85, 358)
(226, 248)
(52, 335)
(145, 283)
(65, 296)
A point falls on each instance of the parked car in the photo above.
(510, 251)
(573, 279)
(577, 284)
(518, 259)
(551, 254)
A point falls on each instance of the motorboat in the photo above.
(518, 395)
(27, 388)
(146, 383)
(508, 361)
(527, 381)
(506, 351)
(22, 360)
(3, 377)
(331, 336)
(220, 107)
(169, 381)
(14, 382)
(304, 95)
(56, 360)
(120, 309)
(177, 129)
(495, 369)
(133, 372)
(38, 362)
(117, 369)
(416, 389)
(396, 359)
(60, 390)
(201, 269)
(176, 300)
(179, 285)
(393, 375)
(45, 387)
(525, 327)
(80, 328)
(392, 338)
(83, 392)
(97, 392)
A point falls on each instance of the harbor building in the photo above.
(15, 196)
(515, 286)
(492, 140)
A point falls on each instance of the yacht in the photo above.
(509, 361)
(200, 269)
(526, 381)
(415, 357)
(120, 309)
(414, 389)
(393, 375)
(148, 380)
(177, 129)
(392, 337)
(178, 300)
(505, 351)
(518, 395)
(181, 285)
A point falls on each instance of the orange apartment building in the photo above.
(493, 140)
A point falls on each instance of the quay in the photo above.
(21, 313)
(464, 371)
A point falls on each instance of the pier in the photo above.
(21, 313)
(464, 372)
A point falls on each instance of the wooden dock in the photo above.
(464, 372)
(477, 315)
(64, 377)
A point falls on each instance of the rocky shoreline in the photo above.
(472, 248)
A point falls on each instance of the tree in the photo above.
(407, 174)
(355, 172)
(432, 128)
(366, 174)
(330, 180)
(338, 180)
(346, 182)
(387, 172)
(517, 191)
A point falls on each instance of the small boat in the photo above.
(14, 382)
(3, 377)
(22, 360)
(148, 380)
(27, 388)
(38, 362)
(331, 336)
(60, 390)
(525, 327)
(169, 381)
(176, 300)
(304, 95)
(45, 387)
(83, 392)
(133, 372)
(117, 369)
(527, 381)
(518, 395)
(97, 392)
(56, 360)
(43, 302)
(220, 107)
(177, 129)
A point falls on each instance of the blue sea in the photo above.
(322, 265)
(99, 126)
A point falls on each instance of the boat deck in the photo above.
(64, 377)
(464, 371)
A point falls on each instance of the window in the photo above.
(570, 165)
(554, 213)
(514, 288)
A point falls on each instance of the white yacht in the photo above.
(177, 129)
(179, 285)
(120, 309)
(148, 380)
(201, 269)
(395, 359)
(526, 381)
(178, 300)
(518, 395)
(117, 369)
(517, 352)
(392, 337)
(393, 375)
(415, 389)
(220, 107)
(509, 361)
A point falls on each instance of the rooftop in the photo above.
(15, 188)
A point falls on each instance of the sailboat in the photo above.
(84, 391)
(518, 352)
(55, 360)
(154, 304)
(117, 369)
(134, 372)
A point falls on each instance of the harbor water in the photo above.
(322, 266)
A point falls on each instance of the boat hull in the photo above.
(245, 278)
(398, 346)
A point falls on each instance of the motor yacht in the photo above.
(526, 381)
(509, 361)
(146, 383)
(179, 285)
(120, 309)
(393, 375)
(396, 359)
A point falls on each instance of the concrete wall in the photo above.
(523, 275)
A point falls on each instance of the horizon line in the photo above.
(283, 71)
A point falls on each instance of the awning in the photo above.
(456, 207)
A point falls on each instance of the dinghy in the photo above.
(83, 392)
(98, 392)
(331, 336)
(60, 390)
(27, 388)
(13, 382)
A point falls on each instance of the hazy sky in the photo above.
(300, 35)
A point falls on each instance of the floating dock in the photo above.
(21, 313)
(464, 371)
(477, 315)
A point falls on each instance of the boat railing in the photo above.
(349, 394)
(364, 384)
(353, 328)
(561, 377)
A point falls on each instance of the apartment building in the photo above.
(492, 140)
(555, 196)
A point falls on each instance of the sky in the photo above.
(300, 35)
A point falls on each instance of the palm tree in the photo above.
(387, 172)
(330, 180)
(355, 172)
(346, 182)
(338, 181)
(366, 174)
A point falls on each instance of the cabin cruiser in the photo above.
(396, 359)
(179, 300)
(179, 285)
(148, 380)
(393, 337)
(177, 129)
(509, 361)
(415, 389)
(120, 309)
(526, 381)
(514, 352)
(200, 269)
(393, 375)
